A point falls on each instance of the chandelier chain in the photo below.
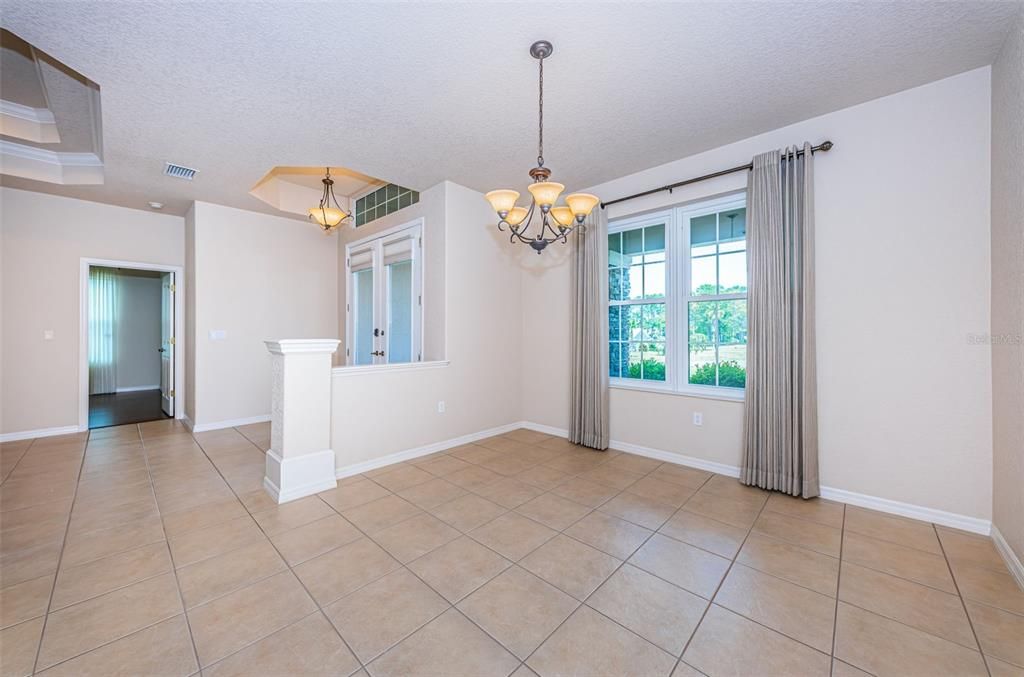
(540, 127)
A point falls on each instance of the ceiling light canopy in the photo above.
(330, 218)
(555, 221)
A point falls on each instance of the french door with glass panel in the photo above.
(385, 298)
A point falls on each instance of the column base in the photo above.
(296, 477)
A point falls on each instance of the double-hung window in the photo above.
(677, 307)
(385, 299)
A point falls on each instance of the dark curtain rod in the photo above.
(824, 146)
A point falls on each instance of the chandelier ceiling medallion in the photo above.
(330, 218)
(555, 221)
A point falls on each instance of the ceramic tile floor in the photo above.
(144, 550)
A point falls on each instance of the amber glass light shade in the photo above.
(581, 204)
(502, 200)
(515, 216)
(328, 217)
(546, 193)
(563, 215)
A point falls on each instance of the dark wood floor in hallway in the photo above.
(136, 406)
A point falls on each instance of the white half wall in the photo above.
(902, 206)
(380, 411)
(42, 241)
(255, 278)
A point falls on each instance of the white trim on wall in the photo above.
(229, 423)
(918, 512)
(83, 331)
(425, 450)
(1013, 563)
(42, 432)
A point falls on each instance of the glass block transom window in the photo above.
(383, 201)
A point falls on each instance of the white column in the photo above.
(300, 461)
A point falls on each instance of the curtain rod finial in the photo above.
(826, 146)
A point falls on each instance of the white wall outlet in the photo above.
(218, 334)
(440, 406)
(698, 418)
(47, 334)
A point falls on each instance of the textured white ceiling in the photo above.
(416, 93)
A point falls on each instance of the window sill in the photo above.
(356, 370)
(666, 390)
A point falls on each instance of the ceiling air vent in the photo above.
(179, 172)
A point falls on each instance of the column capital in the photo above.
(292, 346)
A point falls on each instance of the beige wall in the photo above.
(431, 208)
(377, 413)
(138, 330)
(1008, 289)
(902, 205)
(190, 311)
(256, 277)
(43, 238)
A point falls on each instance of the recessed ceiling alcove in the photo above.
(50, 123)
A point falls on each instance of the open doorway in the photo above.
(129, 336)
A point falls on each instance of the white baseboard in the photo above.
(132, 389)
(187, 422)
(230, 423)
(1009, 556)
(949, 519)
(399, 456)
(300, 476)
(657, 454)
(42, 432)
(917, 512)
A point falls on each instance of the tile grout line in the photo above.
(622, 564)
(170, 554)
(711, 601)
(835, 614)
(20, 458)
(60, 557)
(516, 562)
(288, 568)
(963, 603)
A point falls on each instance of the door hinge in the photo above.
(170, 394)
(173, 288)
(171, 340)
(420, 299)
(348, 263)
(419, 242)
(348, 352)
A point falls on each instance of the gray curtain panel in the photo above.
(781, 413)
(588, 423)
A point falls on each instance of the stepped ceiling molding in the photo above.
(50, 123)
(423, 92)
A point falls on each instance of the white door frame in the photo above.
(83, 331)
(418, 281)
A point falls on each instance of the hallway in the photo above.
(124, 408)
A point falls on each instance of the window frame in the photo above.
(413, 230)
(678, 295)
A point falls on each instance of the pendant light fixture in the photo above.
(555, 221)
(330, 218)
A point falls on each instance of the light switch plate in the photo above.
(218, 334)
(47, 334)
